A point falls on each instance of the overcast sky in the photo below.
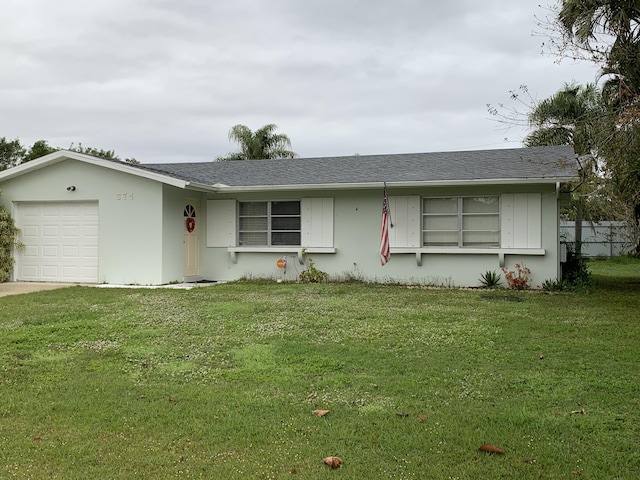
(164, 80)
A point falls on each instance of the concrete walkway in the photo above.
(15, 288)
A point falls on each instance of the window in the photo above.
(269, 223)
(461, 221)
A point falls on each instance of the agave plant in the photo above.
(490, 279)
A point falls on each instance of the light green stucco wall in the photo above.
(356, 238)
(130, 215)
(141, 227)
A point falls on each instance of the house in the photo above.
(454, 216)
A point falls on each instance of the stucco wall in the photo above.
(141, 227)
(356, 239)
(130, 215)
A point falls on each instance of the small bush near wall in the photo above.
(8, 235)
(575, 270)
(518, 279)
(312, 274)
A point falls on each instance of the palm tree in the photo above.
(609, 31)
(261, 144)
(592, 24)
(569, 117)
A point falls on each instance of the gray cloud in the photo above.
(164, 81)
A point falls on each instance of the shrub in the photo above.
(312, 274)
(490, 279)
(518, 279)
(8, 241)
(574, 270)
(553, 285)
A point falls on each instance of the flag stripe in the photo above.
(385, 252)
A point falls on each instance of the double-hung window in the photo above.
(276, 223)
(461, 221)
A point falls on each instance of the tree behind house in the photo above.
(262, 144)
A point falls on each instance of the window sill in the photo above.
(299, 251)
(501, 252)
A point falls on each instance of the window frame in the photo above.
(460, 230)
(270, 231)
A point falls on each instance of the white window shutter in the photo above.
(221, 223)
(405, 217)
(317, 222)
(521, 215)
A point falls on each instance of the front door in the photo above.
(191, 239)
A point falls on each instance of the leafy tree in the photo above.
(39, 149)
(261, 144)
(11, 153)
(99, 152)
(8, 236)
(607, 32)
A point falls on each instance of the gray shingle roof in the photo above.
(539, 163)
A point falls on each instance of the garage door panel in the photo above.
(50, 251)
(51, 210)
(61, 242)
(90, 231)
(30, 231)
(50, 231)
(50, 272)
(31, 251)
(29, 271)
(71, 231)
(71, 251)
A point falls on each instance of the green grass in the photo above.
(220, 382)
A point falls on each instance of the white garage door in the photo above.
(60, 242)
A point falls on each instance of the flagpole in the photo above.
(385, 250)
(385, 194)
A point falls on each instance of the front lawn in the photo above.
(221, 381)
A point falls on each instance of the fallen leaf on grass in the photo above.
(333, 462)
(422, 418)
(320, 413)
(402, 415)
(37, 438)
(493, 449)
(581, 411)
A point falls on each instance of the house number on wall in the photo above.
(124, 196)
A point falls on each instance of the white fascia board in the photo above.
(220, 188)
(62, 155)
(200, 187)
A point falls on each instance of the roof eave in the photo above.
(221, 188)
(63, 155)
(201, 187)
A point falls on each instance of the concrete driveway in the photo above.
(15, 288)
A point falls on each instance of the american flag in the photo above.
(385, 252)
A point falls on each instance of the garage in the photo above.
(60, 242)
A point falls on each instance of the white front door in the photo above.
(191, 239)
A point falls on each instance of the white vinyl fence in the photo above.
(602, 239)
